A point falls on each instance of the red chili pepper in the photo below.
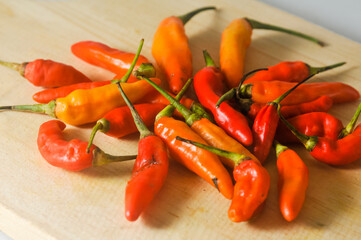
(293, 180)
(288, 72)
(313, 124)
(209, 85)
(252, 183)
(101, 55)
(70, 155)
(321, 104)
(265, 125)
(47, 73)
(150, 168)
(119, 121)
(334, 152)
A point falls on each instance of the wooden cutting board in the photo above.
(38, 201)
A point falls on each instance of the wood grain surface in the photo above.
(38, 201)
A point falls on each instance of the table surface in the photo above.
(317, 207)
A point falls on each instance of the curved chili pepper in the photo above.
(252, 183)
(203, 163)
(313, 124)
(236, 38)
(48, 95)
(334, 152)
(171, 50)
(209, 85)
(47, 73)
(70, 155)
(210, 132)
(288, 72)
(321, 104)
(119, 121)
(101, 55)
(89, 105)
(150, 168)
(293, 180)
(265, 125)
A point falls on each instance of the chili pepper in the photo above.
(210, 132)
(293, 180)
(70, 155)
(48, 95)
(236, 38)
(252, 183)
(101, 55)
(89, 105)
(171, 50)
(208, 84)
(150, 169)
(265, 125)
(321, 104)
(203, 163)
(334, 152)
(275, 88)
(288, 72)
(313, 124)
(119, 121)
(47, 73)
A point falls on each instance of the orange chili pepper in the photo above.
(292, 181)
(171, 50)
(236, 38)
(252, 183)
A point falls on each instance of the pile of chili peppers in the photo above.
(233, 126)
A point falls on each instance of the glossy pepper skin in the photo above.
(70, 155)
(312, 124)
(209, 86)
(101, 55)
(48, 73)
(293, 178)
(48, 95)
(171, 50)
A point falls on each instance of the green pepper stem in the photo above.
(142, 128)
(145, 70)
(280, 98)
(207, 58)
(186, 17)
(315, 70)
(101, 125)
(130, 70)
(350, 126)
(279, 147)
(235, 157)
(199, 109)
(168, 110)
(259, 25)
(19, 67)
(101, 158)
(45, 108)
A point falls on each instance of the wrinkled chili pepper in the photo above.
(171, 50)
(334, 152)
(210, 132)
(236, 38)
(252, 183)
(101, 55)
(258, 91)
(119, 121)
(70, 155)
(313, 124)
(203, 163)
(209, 85)
(150, 168)
(265, 125)
(47, 73)
(288, 72)
(321, 104)
(89, 105)
(293, 180)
